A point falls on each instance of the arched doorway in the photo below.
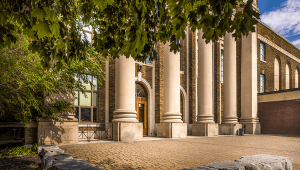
(181, 104)
(141, 105)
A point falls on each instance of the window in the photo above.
(147, 61)
(296, 78)
(287, 76)
(222, 61)
(139, 91)
(262, 83)
(262, 51)
(89, 33)
(86, 105)
(181, 67)
(276, 75)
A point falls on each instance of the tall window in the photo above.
(262, 51)
(287, 76)
(222, 61)
(180, 53)
(276, 75)
(86, 105)
(262, 83)
(89, 33)
(296, 78)
(147, 60)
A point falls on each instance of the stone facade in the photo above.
(267, 67)
(153, 80)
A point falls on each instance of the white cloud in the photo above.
(285, 20)
(297, 43)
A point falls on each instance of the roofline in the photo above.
(278, 34)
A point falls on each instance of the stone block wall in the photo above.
(111, 89)
(183, 63)
(279, 117)
(217, 81)
(101, 102)
(159, 83)
(192, 76)
(30, 135)
(146, 72)
(267, 67)
(272, 36)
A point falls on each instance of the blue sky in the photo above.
(283, 16)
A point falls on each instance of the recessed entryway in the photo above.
(141, 105)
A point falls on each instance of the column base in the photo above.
(252, 128)
(172, 130)
(127, 132)
(205, 129)
(52, 132)
(229, 129)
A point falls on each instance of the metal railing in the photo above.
(99, 131)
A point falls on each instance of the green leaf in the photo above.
(55, 29)
(38, 13)
(42, 29)
(51, 16)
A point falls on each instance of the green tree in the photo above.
(121, 27)
(26, 88)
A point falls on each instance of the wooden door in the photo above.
(142, 115)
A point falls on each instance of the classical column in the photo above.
(205, 125)
(171, 86)
(125, 90)
(125, 125)
(230, 100)
(205, 97)
(230, 124)
(249, 84)
(171, 125)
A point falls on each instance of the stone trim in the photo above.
(151, 109)
(185, 106)
(277, 34)
(265, 40)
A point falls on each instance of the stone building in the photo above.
(204, 90)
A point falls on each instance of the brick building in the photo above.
(206, 89)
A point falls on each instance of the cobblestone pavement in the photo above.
(184, 153)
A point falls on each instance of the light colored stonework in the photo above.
(205, 129)
(127, 132)
(51, 132)
(229, 129)
(172, 130)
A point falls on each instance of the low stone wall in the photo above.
(255, 162)
(54, 158)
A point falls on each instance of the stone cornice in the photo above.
(278, 34)
(265, 40)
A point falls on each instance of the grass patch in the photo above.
(19, 151)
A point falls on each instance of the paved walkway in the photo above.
(183, 153)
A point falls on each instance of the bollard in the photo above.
(241, 132)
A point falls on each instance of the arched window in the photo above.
(296, 78)
(287, 76)
(139, 91)
(276, 75)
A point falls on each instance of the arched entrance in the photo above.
(181, 104)
(141, 105)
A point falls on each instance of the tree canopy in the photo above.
(121, 27)
(26, 89)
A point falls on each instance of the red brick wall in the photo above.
(282, 117)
